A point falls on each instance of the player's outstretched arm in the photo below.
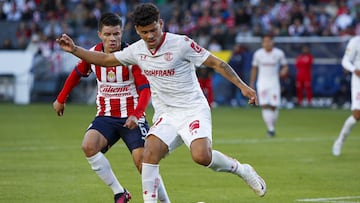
(93, 57)
(228, 72)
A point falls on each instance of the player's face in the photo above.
(267, 43)
(151, 34)
(111, 38)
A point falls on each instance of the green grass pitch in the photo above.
(41, 160)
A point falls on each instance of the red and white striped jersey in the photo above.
(117, 87)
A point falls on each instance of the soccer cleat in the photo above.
(123, 197)
(256, 183)
(336, 150)
(271, 133)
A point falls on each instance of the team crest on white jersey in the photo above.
(168, 56)
(143, 57)
(111, 76)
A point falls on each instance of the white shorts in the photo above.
(180, 126)
(269, 96)
(355, 99)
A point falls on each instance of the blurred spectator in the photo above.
(119, 7)
(297, 28)
(7, 44)
(14, 14)
(344, 20)
(53, 28)
(28, 9)
(214, 45)
(281, 11)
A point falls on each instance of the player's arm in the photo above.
(349, 55)
(228, 72)
(71, 81)
(143, 89)
(284, 65)
(92, 57)
(253, 75)
(284, 71)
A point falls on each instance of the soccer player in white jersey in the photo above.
(182, 113)
(268, 65)
(122, 96)
(351, 62)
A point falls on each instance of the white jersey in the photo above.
(268, 64)
(170, 69)
(351, 60)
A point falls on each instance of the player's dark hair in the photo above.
(267, 35)
(145, 14)
(109, 19)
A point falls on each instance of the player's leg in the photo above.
(202, 154)
(154, 150)
(345, 131)
(97, 140)
(137, 155)
(349, 122)
(270, 115)
(308, 91)
(299, 91)
(197, 136)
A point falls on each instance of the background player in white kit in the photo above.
(266, 65)
(122, 96)
(182, 113)
(351, 62)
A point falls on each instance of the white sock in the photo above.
(102, 168)
(150, 182)
(269, 117)
(346, 129)
(163, 196)
(222, 163)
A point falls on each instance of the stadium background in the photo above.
(29, 27)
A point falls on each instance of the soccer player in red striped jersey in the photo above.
(122, 96)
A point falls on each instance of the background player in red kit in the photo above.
(122, 97)
(303, 65)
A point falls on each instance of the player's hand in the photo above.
(357, 72)
(131, 122)
(59, 108)
(66, 43)
(251, 94)
(283, 73)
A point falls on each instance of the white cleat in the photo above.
(336, 150)
(256, 183)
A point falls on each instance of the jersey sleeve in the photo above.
(143, 89)
(283, 60)
(71, 81)
(126, 56)
(83, 68)
(193, 52)
(349, 55)
(255, 61)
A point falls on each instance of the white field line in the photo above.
(215, 140)
(332, 199)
